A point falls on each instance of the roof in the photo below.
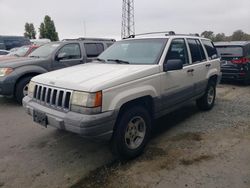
(232, 43)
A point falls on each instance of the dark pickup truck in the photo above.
(15, 73)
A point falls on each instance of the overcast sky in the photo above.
(102, 18)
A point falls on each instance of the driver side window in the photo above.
(178, 50)
(70, 51)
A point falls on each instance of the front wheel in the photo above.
(206, 102)
(22, 89)
(132, 133)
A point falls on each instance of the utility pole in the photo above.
(128, 22)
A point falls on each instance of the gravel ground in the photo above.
(189, 148)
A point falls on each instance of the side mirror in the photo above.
(173, 64)
(61, 56)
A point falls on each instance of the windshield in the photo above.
(138, 51)
(45, 50)
(20, 52)
(230, 51)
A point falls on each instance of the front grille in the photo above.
(53, 97)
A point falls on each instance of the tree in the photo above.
(30, 31)
(48, 30)
(220, 37)
(240, 36)
(208, 34)
(42, 31)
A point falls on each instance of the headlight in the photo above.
(31, 89)
(86, 103)
(5, 71)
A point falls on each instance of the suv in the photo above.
(15, 73)
(132, 83)
(235, 58)
(9, 42)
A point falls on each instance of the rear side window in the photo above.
(197, 52)
(93, 49)
(211, 50)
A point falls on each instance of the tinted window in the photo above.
(196, 50)
(178, 50)
(230, 51)
(71, 51)
(137, 51)
(93, 49)
(211, 50)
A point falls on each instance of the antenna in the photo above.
(128, 22)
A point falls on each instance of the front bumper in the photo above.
(90, 126)
(6, 86)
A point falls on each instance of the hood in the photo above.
(95, 76)
(14, 62)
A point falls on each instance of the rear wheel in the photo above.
(22, 89)
(132, 133)
(206, 102)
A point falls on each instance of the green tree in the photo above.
(42, 31)
(48, 30)
(30, 31)
(239, 35)
(220, 37)
(208, 34)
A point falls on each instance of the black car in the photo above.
(235, 64)
(9, 42)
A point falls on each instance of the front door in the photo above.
(177, 86)
(71, 54)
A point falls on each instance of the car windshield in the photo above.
(45, 50)
(20, 52)
(230, 51)
(137, 51)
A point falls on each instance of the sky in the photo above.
(102, 18)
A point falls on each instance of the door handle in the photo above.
(208, 65)
(190, 70)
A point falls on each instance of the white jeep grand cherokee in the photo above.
(133, 82)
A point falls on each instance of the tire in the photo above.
(129, 141)
(21, 86)
(206, 102)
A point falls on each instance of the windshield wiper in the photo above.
(119, 61)
(102, 60)
(34, 56)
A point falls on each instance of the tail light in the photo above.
(243, 60)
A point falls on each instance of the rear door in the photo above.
(73, 56)
(200, 65)
(177, 86)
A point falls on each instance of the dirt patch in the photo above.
(1, 184)
(187, 136)
(198, 159)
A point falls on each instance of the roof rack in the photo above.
(166, 33)
(152, 33)
(93, 39)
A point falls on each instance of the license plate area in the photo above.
(40, 118)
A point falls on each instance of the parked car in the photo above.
(133, 82)
(235, 58)
(23, 51)
(40, 42)
(9, 42)
(15, 73)
(4, 52)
